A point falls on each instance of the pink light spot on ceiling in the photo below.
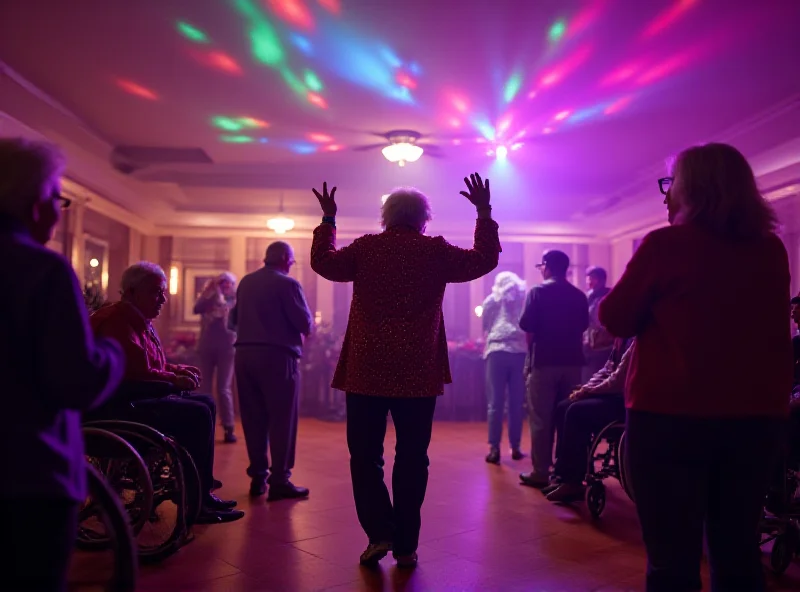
(532, 94)
(405, 80)
(253, 122)
(618, 105)
(562, 115)
(333, 147)
(504, 124)
(667, 17)
(585, 18)
(454, 122)
(317, 100)
(137, 90)
(332, 6)
(321, 138)
(460, 104)
(480, 140)
(223, 62)
(456, 142)
(566, 67)
(547, 130)
(621, 74)
(663, 69)
(293, 12)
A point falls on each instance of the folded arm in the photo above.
(615, 382)
(73, 369)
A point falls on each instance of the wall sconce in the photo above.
(174, 278)
(318, 317)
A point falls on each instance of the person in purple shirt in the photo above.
(52, 369)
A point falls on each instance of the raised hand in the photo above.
(478, 191)
(326, 201)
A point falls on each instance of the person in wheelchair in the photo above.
(580, 417)
(189, 418)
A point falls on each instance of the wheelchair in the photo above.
(604, 461)
(102, 517)
(781, 522)
(153, 475)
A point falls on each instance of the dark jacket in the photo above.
(52, 369)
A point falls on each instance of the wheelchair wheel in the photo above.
(191, 480)
(596, 499)
(784, 549)
(103, 517)
(124, 471)
(623, 471)
(602, 461)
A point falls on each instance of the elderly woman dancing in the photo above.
(394, 356)
(505, 352)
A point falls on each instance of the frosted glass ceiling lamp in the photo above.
(402, 152)
(280, 224)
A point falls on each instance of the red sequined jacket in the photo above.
(145, 356)
(395, 344)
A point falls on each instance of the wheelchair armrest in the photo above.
(134, 390)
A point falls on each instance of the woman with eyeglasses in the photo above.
(706, 394)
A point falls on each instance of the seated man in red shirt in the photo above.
(190, 419)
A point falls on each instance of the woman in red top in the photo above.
(707, 391)
(394, 356)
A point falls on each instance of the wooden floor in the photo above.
(481, 530)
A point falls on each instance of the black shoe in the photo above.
(555, 483)
(494, 456)
(208, 516)
(230, 437)
(534, 480)
(374, 553)
(212, 502)
(566, 493)
(517, 454)
(286, 491)
(216, 484)
(258, 487)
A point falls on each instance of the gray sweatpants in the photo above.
(267, 379)
(547, 387)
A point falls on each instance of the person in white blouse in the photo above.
(505, 352)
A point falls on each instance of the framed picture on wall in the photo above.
(194, 280)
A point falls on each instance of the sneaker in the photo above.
(407, 561)
(517, 454)
(286, 491)
(534, 480)
(566, 493)
(494, 456)
(373, 554)
(230, 437)
(555, 483)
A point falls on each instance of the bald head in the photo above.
(279, 255)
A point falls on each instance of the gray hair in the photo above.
(139, 272)
(276, 252)
(227, 275)
(406, 206)
(508, 283)
(25, 165)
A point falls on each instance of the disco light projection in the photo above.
(406, 81)
(317, 100)
(303, 148)
(312, 81)
(137, 90)
(192, 33)
(512, 87)
(235, 124)
(557, 31)
(666, 18)
(332, 6)
(588, 113)
(302, 43)
(517, 146)
(618, 105)
(621, 74)
(293, 12)
(503, 125)
(557, 73)
(562, 115)
(320, 138)
(485, 128)
(223, 62)
(236, 139)
(333, 148)
(501, 153)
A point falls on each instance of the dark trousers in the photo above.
(577, 423)
(268, 382)
(189, 419)
(505, 370)
(366, 430)
(41, 535)
(687, 473)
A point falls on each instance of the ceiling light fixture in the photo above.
(280, 224)
(402, 152)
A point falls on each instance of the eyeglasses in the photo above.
(64, 202)
(664, 183)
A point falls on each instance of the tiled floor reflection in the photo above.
(481, 531)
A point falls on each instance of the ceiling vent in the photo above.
(129, 159)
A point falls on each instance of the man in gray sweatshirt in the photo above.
(271, 319)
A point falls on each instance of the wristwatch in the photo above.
(329, 220)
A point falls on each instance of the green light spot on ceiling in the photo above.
(312, 81)
(557, 30)
(265, 45)
(292, 81)
(226, 123)
(192, 33)
(512, 87)
(236, 139)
